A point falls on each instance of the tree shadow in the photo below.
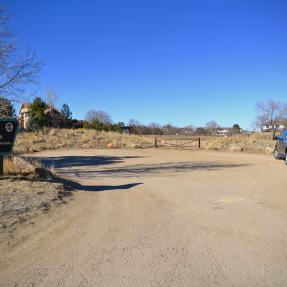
(169, 167)
(96, 188)
(76, 161)
(150, 169)
(101, 166)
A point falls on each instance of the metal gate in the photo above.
(182, 143)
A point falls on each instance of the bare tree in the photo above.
(271, 113)
(15, 71)
(51, 101)
(170, 129)
(154, 128)
(212, 126)
(6, 108)
(136, 127)
(99, 116)
(190, 127)
(154, 125)
(134, 123)
(51, 98)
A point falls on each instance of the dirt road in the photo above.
(159, 218)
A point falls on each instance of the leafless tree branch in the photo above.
(15, 71)
(270, 113)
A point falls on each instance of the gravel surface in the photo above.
(158, 218)
(21, 199)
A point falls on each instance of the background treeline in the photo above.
(43, 114)
(211, 128)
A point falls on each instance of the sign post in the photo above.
(8, 130)
(1, 165)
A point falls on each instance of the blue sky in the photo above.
(184, 62)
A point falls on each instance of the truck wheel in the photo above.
(276, 154)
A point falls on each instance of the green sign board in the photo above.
(8, 131)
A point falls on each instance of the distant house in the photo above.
(271, 127)
(228, 131)
(55, 116)
(224, 131)
(126, 130)
(24, 116)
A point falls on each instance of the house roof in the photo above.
(55, 110)
(25, 105)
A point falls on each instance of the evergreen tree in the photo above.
(236, 129)
(37, 116)
(66, 116)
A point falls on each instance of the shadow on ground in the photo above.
(76, 161)
(94, 166)
(164, 168)
(97, 188)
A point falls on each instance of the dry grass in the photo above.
(19, 166)
(49, 139)
(255, 143)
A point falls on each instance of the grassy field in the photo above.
(49, 139)
(254, 143)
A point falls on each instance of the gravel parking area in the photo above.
(158, 218)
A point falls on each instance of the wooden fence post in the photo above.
(199, 143)
(155, 143)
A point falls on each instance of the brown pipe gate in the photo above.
(177, 143)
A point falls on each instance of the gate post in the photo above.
(155, 143)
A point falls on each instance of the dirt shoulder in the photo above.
(23, 200)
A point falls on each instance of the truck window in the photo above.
(283, 136)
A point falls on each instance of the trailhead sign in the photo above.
(8, 130)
